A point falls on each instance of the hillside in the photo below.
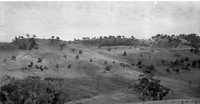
(86, 79)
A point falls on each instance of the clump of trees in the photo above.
(149, 69)
(124, 65)
(194, 50)
(148, 87)
(26, 43)
(185, 63)
(31, 91)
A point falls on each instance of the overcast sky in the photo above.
(70, 20)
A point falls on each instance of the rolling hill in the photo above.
(85, 77)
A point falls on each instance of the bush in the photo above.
(80, 52)
(139, 63)
(39, 60)
(69, 66)
(109, 49)
(65, 56)
(186, 59)
(107, 68)
(168, 70)
(73, 50)
(13, 57)
(77, 57)
(124, 54)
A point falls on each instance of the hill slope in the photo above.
(85, 77)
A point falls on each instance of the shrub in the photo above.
(57, 65)
(39, 60)
(69, 66)
(61, 46)
(186, 59)
(73, 50)
(124, 54)
(107, 68)
(13, 57)
(168, 70)
(177, 70)
(77, 57)
(65, 56)
(80, 52)
(139, 63)
(109, 49)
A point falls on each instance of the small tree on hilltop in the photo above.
(52, 37)
(27, 35)
(57, 38)
(34, 36)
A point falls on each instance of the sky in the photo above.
(77, 19)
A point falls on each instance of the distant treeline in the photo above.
(109, 41)
(192, 39)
